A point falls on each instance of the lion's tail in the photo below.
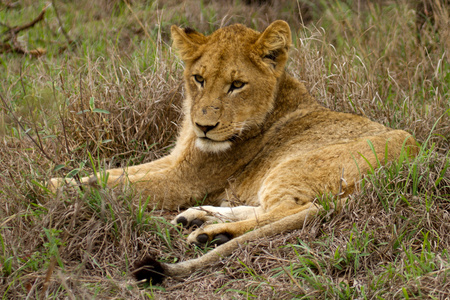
(154, 271)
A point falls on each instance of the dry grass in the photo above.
(140, 123)
(119, 94)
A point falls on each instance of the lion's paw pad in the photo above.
(183, 221)
(196, 222)
(202, 238)
(218, 239)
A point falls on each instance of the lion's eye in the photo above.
(199, 79)
(236, 85)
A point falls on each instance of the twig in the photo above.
(7, 220)
(23, 128)
(77, 176)
(48, 276)
(302, 290)
(15, 30)
(38, 145)
(10, 42)
(21, 80)
(83, 113)
(139, 21)
(11, 5)
(61, 117)
(66, 35)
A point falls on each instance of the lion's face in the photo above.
(231, 81)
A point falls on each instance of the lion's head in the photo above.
(231, 79)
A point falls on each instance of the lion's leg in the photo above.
(281, 194)
(226, 231)
(161, 183)
(164, 189)
(115, 176)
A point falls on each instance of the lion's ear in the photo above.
(187, 41)
(273, 44)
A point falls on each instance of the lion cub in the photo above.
(251, 135)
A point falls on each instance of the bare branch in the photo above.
(15, 30)
(9, 43)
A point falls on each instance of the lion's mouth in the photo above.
(231, 139)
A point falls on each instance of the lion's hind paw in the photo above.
(212, 234)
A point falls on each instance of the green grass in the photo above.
(112, 98)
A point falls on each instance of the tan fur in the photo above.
(268, 144)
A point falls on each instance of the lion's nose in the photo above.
(206, 128)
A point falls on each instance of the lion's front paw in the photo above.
(196, 216)
(192, 217)
(213, 234)
(55, 183)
